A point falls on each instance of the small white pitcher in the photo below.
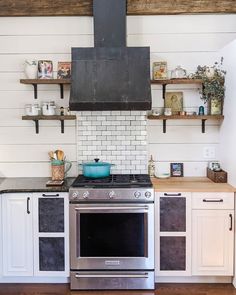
(31, 69)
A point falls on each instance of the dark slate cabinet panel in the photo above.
(172, 253)
(172, 214)
(51, 254)
(51, 215)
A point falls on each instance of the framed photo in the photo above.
(64, 70)
(159, 70)
(176, 169)
(215, 107)
(174, 100)
(45, 69)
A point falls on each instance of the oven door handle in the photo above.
(111, 208)
(143, 275)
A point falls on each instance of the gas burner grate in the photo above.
(114, 180)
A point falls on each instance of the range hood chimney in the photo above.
(110, 76)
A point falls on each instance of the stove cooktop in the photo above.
(114, 181)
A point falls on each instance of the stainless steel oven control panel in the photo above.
(112, 194)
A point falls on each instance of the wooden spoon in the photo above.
(51, 155)
(60, 155)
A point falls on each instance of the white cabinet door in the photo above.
(17, 235)
(0, 235)
(212, 242)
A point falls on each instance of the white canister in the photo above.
(32, 109)
(49, 108)
(31, 69)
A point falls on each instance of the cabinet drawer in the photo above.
(213, 200)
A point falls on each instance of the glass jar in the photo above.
(178, 73)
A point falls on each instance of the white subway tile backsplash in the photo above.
(119, 137)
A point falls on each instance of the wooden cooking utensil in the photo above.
(51, 155)
(60, 155)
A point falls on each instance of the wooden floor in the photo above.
(161, 289)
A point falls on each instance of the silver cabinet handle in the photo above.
(50, 195)
(213, 200)
(144, 275)
(111, 208)
(172, 195)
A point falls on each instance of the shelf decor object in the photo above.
(186, 117)
(36, 119)
(36, 82)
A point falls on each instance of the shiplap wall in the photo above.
(184, 40)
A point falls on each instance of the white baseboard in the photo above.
(46, 280)
(195, 279)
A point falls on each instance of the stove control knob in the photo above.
(75, 195)
(148, 194)
(86, 195)
(112, 194)
(137, 195)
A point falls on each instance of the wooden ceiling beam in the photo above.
(134, 7)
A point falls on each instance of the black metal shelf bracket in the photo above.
(61, 90)
(203, 125)
(36, 126)
(164, 91)
(62, 126)
(164, 125)
(35, 90)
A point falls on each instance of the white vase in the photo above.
(31, 69)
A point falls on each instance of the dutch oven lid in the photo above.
(96, 163)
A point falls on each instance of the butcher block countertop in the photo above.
(190, 184)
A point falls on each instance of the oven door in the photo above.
(112, 236)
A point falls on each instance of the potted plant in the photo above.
(213, 90)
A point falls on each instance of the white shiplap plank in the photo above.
(36, 169)
(46, 25)
(166, 24)
(182, 42)
(35, 153)
(183, 135)
(47, 44)
(180, 152)
(27, 135)
(18, 99)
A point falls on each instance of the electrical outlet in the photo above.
(209, 152)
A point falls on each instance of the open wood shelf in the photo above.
(36, 119)
(186, 117)
(36, 82)
(165, 82)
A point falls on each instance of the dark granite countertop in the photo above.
(31, 184)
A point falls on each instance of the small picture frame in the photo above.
(176, 169)
(159, 70)
(45, 69)
(174, 100)
(64, 70)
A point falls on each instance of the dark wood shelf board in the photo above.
(55, 117)
(45, 81)
(186, 117)
(177, 81)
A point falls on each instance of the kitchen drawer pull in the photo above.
(50, 195)
(231, 222)
(28, 210)
(213, 200)
(145, 275)
(172, 195)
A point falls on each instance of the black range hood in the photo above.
(110, 76)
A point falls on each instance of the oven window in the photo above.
(112, 234)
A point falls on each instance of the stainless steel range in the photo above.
(112, 233)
